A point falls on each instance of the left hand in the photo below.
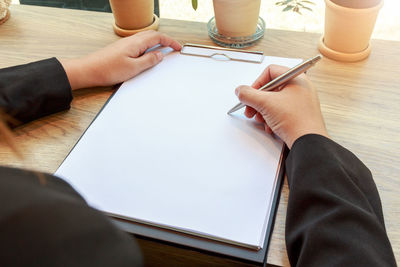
(118, 61)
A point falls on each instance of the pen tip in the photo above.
(235, 108)
(231, 111)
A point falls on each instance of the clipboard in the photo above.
(198, 242)
(209, 246)
(219, 53)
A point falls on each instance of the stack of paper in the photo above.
(164, 152)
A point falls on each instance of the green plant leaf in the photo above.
(283, 3)
(295, 5)
(303, 7)
(308, 2)
(307, 8)
(289, 7)
(194, 4)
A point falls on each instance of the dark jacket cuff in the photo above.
(34, 90)
(311, 152)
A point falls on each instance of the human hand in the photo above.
(118, 61)
(290, 112)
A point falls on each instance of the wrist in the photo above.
(302, 132)
(79, 73)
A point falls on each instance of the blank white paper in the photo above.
(164, 151)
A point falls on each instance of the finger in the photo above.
(270, 73)
(151, 38)
(250, 97)
(267, 128)
(147, 61)
(250, 112)
(259, 118)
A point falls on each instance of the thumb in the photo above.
(251, 97)
(147, 61)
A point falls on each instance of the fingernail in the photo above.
(237, 90)
(159, 55)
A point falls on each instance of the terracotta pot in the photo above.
(4, 11)
(132, 16)
(356, 3)
(348, 28)
(236, 18)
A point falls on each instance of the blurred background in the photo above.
(387, 25)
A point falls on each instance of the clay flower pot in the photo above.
(348, 28)
(4, 11)
(236, 18)
(132, 16)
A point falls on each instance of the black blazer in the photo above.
(334, 215)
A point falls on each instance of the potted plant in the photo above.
(4, 11)
(239, 17)
(348, 28)
(236, 18)
(132, 16)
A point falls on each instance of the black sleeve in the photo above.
(34, 90)
(45, 222)
(334, 215)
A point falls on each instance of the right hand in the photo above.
(291, 112)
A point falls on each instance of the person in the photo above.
(334, 215)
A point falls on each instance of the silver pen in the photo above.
(283, 78)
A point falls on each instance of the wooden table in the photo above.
(360, 102)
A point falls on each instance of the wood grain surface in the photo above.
(360, 102)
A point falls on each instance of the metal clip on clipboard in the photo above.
(219, 53)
